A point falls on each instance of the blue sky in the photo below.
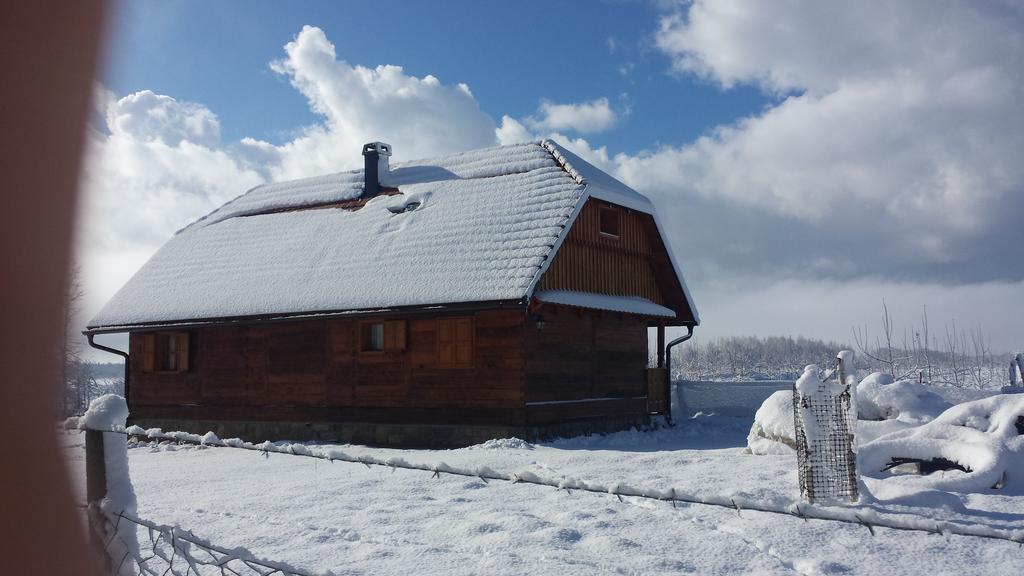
(218, 54)
(809, 159)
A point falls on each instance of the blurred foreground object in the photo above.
(49, 54)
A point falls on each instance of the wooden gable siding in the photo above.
(590, 261)
(579, 356)
(635, 263)
(314, 369)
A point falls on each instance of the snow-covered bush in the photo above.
(773, 431)
(879, 398)
(985, 437)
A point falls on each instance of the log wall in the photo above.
(315, 369)
(584, 364)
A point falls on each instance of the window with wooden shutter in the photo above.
(165, 352)
(382, 336)
(455, 346)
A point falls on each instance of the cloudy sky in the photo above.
(809, 158)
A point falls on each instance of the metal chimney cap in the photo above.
(379, 148)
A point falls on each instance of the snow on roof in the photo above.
(628, 304)
(487, 224)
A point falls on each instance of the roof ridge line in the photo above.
(554, 149)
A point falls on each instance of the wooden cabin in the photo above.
(499, 292)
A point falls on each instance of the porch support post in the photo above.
(661, 345)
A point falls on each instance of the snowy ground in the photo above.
(355, 520)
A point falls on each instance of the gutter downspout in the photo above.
(668, 380)
(127, 373)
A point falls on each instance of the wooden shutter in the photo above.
(182, 351)
(464, 343)
(455, 342)
(445, 342)
(394, 335)
(148, 352)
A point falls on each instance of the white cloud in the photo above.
(149, 117)
(150, 169)
(512, 131)
(422, 116)
(583, 117)
(899, 129)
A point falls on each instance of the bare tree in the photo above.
(953, 354)
(894, 360)
(77, 383)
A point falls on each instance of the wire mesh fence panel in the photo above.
(826, 458)
(135, 546)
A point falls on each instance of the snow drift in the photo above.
(883, 406)
(773, 431)
(984, 437)
(880, 398)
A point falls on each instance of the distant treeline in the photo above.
(106, 369)
(751, 357)
(955, 362)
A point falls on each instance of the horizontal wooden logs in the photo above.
(241, 371)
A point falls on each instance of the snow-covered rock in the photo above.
(984, 437)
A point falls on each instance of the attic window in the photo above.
(610, 218)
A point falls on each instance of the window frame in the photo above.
(393, 336)
(615, 212)
(157, 347)
(366, 337)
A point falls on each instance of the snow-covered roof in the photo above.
(487, 225)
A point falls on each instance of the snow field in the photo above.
(353, 520)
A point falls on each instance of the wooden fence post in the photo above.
(95, 467)
(96, 491)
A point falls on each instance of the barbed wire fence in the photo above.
(193, 555)
(173, 550)
(165, 550)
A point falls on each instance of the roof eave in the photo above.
(417, 309)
